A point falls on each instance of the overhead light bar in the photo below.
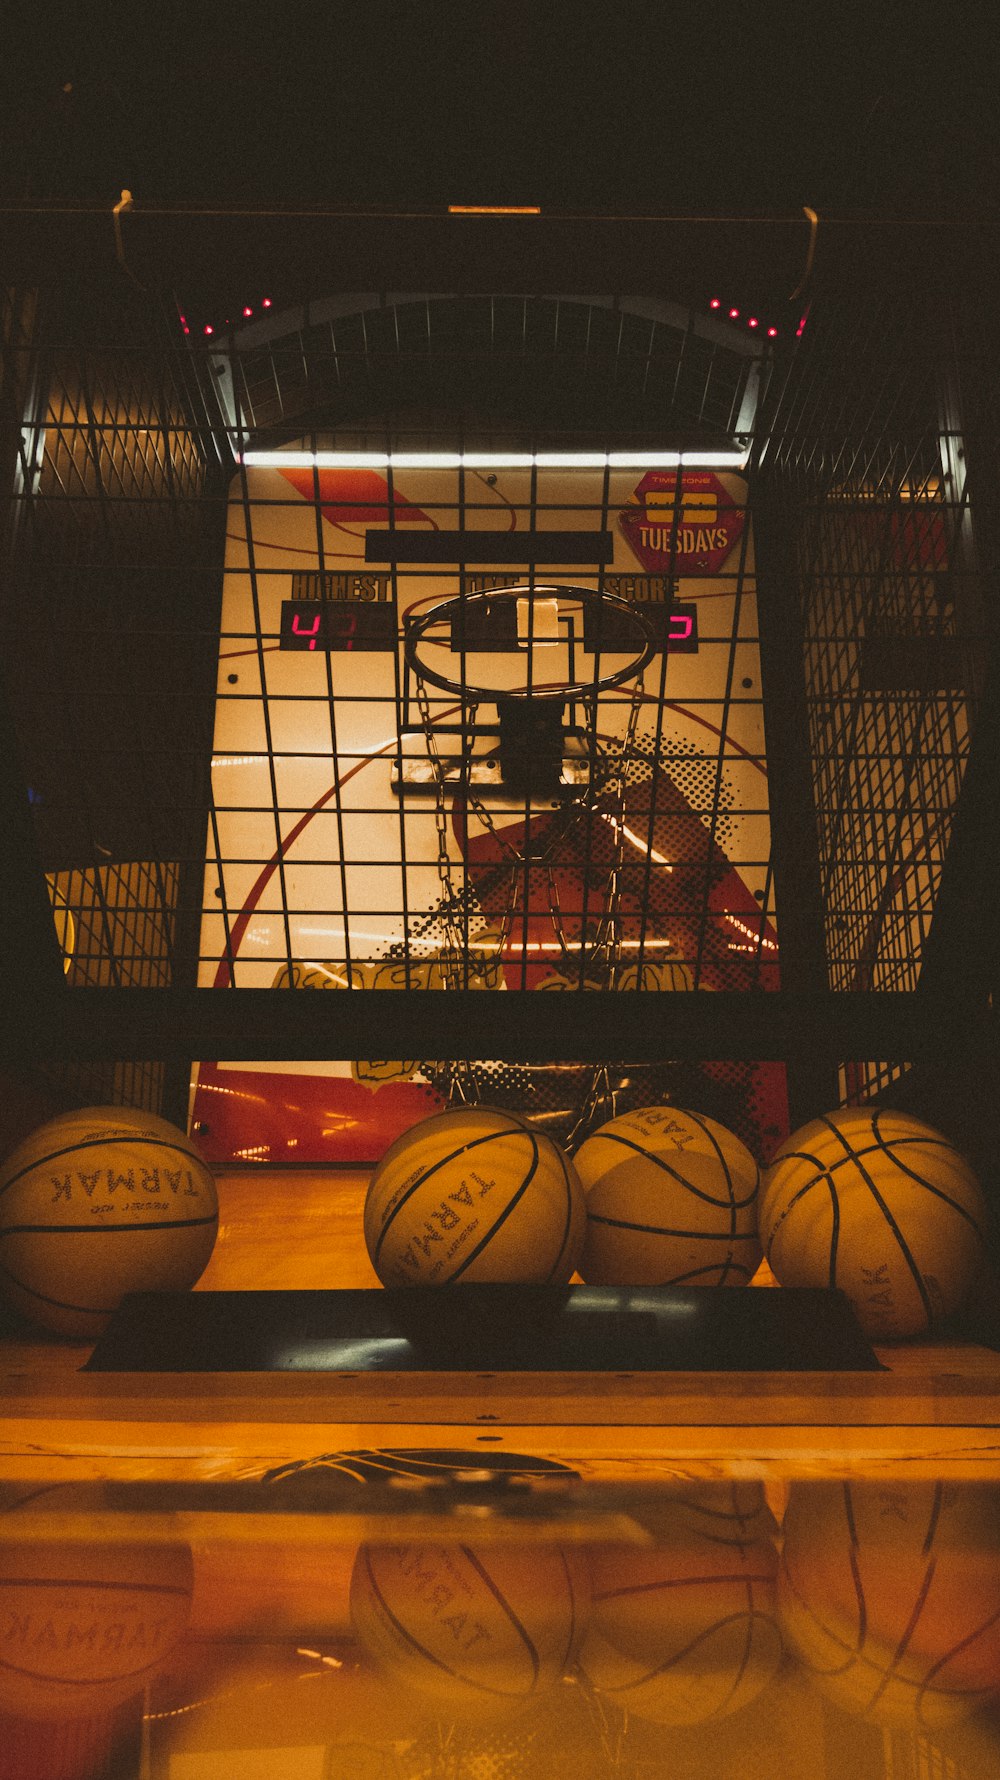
(494, 210)
(494, 460)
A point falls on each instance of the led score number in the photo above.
(329, 626)
(336, 626)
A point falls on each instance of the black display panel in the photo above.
(492, 629)
(675, 627)
(522, 548)
(475, 1328)
(329, 626)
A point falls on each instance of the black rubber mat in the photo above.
(478, 1328)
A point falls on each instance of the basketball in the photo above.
(96, 1203)
(881, 1206)
(474, 1631)
(890, 1598)
(671, 1199)
(686, 1632)
(474, 1194)
(83, 1627)
(423, 1468)
(725, 1512)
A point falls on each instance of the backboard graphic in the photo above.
(373, 828)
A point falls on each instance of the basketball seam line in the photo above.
(564, 1165)
(502, 1219)
(474, 1143)
(853, 1651)
(595, 1217)
(889, 1673)
(894, 1227)
(855, 1561)
(748, 1629)
(853, 1155)
(415, 1644)
(966, 1693)
(729, 1204)
(129, 1588)
(935, 1517)
(571, 1635)
(834, 1232)
(84, 1681)
(505, 1607)
(679, 1655)
(822, 1174)
(102, 1229)
(730, 1266)
(649, 1588)
(57, 1303)
(91, 1143)
(938, 1192)
(730, 1185)
(849, 1513)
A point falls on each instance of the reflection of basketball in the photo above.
(474, 1194)
(671, 1200)
(890, 1597)
(474, 1631)
(97, 1203)
(83, 1627)
(686, 1632)
(883, 1207)
(434, 1467)
(723, 1513)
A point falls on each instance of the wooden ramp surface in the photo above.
(934, 1412)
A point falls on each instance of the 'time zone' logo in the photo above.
(685, 528)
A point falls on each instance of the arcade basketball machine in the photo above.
(474, 695)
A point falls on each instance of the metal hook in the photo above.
(124, 204)
(810, 252)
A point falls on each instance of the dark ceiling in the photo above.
(421, 103)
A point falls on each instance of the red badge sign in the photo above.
(689, 536)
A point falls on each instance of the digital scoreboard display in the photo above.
(334, 613)
(328, 626)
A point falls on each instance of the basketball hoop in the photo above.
(555, 772)
(591, 599)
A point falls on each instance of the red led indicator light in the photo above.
(733, 313)
(772, 333)
(753, 322)
(266, 304)
(187, 330)
(247, 309)
(208, 328)
(716, 303)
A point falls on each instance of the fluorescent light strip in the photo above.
(493, 460)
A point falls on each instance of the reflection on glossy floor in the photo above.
(423, 1619)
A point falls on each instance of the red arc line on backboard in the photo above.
(224, 975)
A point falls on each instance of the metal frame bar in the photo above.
(519, 1025)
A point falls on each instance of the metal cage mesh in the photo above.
(123, 438)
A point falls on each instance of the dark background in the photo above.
(721, 109)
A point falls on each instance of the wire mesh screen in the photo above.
(104, 633)
(870, 453)
(320, 668)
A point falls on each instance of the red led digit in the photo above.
(306, 630)
(686, 627)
